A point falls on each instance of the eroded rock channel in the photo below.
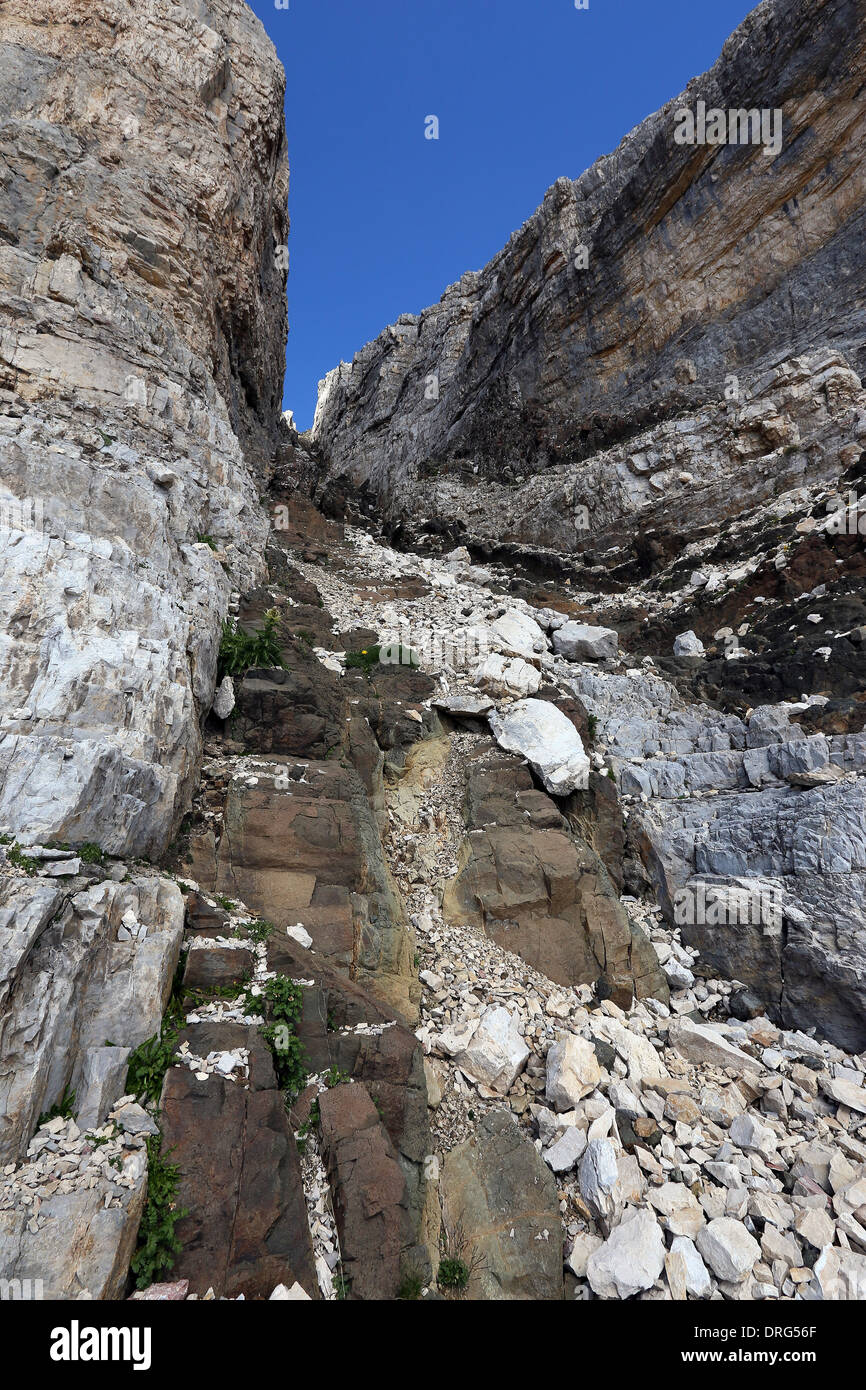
(399, 897)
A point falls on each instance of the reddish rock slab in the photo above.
(216, 967)
(371, 1201)
(246, 1230)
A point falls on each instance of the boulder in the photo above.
(496, 1053)
(728, 1249)
(583, 642)
(599, 1176)
(630, 1260)
(563, 1155)
(699, 1042)
(688, 644)
(572, 1072)
(549, 742)
(697, 1280)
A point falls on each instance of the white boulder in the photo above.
(572, 1072)
(630, 1260)
(688, 644)
(549, 742)
(728, 1249)
(496, 1052)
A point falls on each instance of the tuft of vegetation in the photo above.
(158, 1245)
(148, 1065)
(459, 1263)
(64, 1108)
(205, 538)
(283, 1001)
(241, 651)
(151, 1060)
(91, 853)
(227, 904)
(391, 655)
(591, 726)
(453, 1274)
(260, 931)
(334, 1077)
(15, 855)
(411, 1288)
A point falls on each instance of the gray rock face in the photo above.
(142, 335)
(749, 866)
(127, 303)
(69, 986)
(499, 1192)
(549, 358)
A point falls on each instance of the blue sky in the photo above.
(384, 220)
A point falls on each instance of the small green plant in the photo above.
(91, 853)
(453, 1274)
(64, 1108)
(591, 726)
(334, 1077)
(241, 651)
(204, 538)
(312, 1120)
(342, 1285)
(283, 1002)
(368, 657)
(260, 931)
(15, 855)
(227, 904)
(158, 1245)
(149, 1063)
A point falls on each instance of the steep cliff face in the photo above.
(558, 395)
(142, 335)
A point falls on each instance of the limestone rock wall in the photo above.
(553, 405)
(142, 335)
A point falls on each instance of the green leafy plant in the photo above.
(241, 651)
(369, 657)
(150, 1059)
(283, 1002)
(64, 1108)
(91, 853)
(591, 726)
(227, 904)
(204, 538)
(260, 931)
(15, 855)
(334, 1077)
(158, 1245)
(453, 1274)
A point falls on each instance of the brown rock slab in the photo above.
(247, 1227)
(371, 1202)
